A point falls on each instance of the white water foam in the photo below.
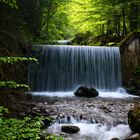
(120, 93)
(95, 131)
(53, 94)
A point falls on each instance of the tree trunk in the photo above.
(124, 22)
(133, 16)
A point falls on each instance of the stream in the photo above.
(100, 118)
(63, 68)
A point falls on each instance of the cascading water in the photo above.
(64, 68)
(61, 70)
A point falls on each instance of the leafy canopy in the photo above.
(11, 3)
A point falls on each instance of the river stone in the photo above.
(86, 92)
(133, 137)
(70, 129)
(134, 119)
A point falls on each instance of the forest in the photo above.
(25, 24)
(46, 21)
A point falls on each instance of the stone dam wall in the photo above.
(130, 55)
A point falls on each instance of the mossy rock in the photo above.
(112, 44)
(134, 119)
(133, 137)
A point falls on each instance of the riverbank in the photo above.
(105, 117)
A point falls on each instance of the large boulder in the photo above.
(134, 119)
(86, 92)
(70, 129)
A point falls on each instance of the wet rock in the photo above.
(133, 86)
(134, 119)
(105, 109)
(133, 90)
(62, 134)
(133, 137)
(115, 139)
(86, 92)
(68, 119)
(70, 129)
(47, 122)
(22, 114)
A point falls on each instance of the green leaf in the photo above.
(14, 85)
(11, 3)
(12, 60)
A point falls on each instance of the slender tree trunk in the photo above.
(118, 28)
(124, 22)
(109, 30)
(133, 16)
(102, 29)
(117, 24)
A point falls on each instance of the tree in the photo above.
(30, 12)
(55, 23)
(134, 6)
(11, 3)
(105, 16)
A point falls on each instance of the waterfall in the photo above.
(65, 67)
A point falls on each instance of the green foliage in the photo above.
(82, 38)
(54, 137)
(55, 22)
(137, 71)
(112, 44)
(14, 85)
(11, 3)
(12, 129)
(51, 20)
(20, 129)
(3, 110)
(30, 13)
(104, 16)
(12, 60)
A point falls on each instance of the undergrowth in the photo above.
(21, 129)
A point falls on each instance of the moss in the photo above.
(133, 85)
(89, 39)
(137, 71)
(128, 39)
(112, 44)
(134, 119)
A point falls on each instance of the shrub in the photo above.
(16, 129)
(13, 85)
(12, 60)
